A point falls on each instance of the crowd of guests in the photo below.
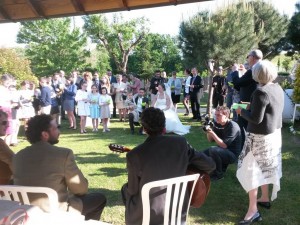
(252, 137)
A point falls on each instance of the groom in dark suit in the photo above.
(141, 102)
(159, 157)
(195, 85)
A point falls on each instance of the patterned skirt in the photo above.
(260, 162)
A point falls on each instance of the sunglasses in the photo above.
(4, 123)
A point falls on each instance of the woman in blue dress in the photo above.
(94, 107)
(68, 97)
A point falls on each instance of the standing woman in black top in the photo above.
(260, 161)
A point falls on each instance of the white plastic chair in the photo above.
(20, 194)
(177, 198)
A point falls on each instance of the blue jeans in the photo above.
(222, 158)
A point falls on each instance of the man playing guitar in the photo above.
(159, 157)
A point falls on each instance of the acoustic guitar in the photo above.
(202, 186)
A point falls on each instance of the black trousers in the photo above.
(195, 106)
(218, 100)
(243, 126)
(132, 123)
(113, 97)
(222, 158)
(93, 205)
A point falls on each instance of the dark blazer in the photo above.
(144, 100)
(197, 85)
(45, 98)
(245, 84)
(159, 157)
(219, 87)
(113, 79)
(154, 82)
(45, 165)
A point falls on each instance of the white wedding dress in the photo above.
(173, 124)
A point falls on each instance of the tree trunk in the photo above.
(210, 94)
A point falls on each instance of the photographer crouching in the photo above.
(227, 135)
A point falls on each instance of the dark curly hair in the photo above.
(153, 121)
(36, 125)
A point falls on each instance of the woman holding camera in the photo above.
(260, 161)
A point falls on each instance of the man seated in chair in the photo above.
(140, 103)
(227, 135)
(159, 157)
(44, 165)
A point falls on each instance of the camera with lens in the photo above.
(207, 124)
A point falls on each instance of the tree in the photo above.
(286, 63)
(227, 35)
(11, 62)
(224, 37)
(293, 33)
(272, 27)
(278, 63)
(296, 92)
(156, 51)
(99, 60)
(53, 45)
(119, 38)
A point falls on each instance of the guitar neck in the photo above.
(118, 148)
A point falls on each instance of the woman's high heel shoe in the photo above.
(256, 217)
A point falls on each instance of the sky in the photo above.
(164, 20)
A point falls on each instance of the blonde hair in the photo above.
(107, 85)
(264, 72)
(88, 74)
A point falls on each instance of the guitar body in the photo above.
(201, 189)
(202, 186)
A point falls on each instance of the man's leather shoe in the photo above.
(266, 205)
(256, 217)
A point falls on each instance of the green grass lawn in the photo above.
(227, 201)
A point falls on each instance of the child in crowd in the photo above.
(130, 106)
(104, 102)
(94, 98)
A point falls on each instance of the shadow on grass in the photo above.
(115, 197)
(97, 157)
(110, 172)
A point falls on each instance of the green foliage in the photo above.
(12, 62)
(205, 73)
(270, 26)
(294, 29)
(228, 34)
(286, 63)
(296, 93)
(283, 74)
(285, 84)
(99, 60)
(53, 45)
(156, 51)
(225, 36)
(278, 63)
(119, 37)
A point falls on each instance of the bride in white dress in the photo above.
(163, 101)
